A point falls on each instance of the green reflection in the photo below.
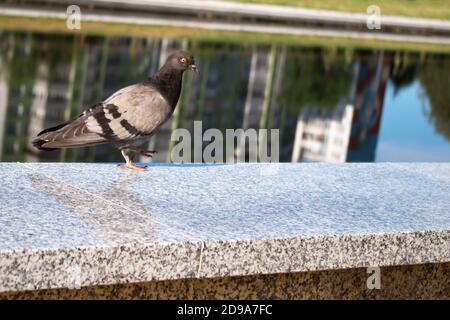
(48, 79)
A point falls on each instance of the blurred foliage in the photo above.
(432, 9)
(404, 71)
(58, 26)
(435, 79)
(315, 78)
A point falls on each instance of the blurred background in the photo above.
(334, 99)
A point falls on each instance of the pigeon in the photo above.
(126, 119)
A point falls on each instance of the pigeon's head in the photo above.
(182, 60)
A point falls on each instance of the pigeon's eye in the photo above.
(183, 60)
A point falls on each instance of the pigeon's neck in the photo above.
(168, 81)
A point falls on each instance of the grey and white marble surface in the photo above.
(72, 225)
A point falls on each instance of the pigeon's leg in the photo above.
(129, 164)
(143, 152)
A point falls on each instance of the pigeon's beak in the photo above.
(193, 67)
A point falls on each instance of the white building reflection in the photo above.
(325, 136)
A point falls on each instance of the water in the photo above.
(330, 104)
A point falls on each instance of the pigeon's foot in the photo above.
(131, 166)
(143, 152)
(128, 163)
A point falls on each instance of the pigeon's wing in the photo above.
(74, 133)
(130, 113)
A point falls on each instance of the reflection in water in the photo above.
(326, 102)
(437, 88)
(114, 214)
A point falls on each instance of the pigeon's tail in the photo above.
(38, 143)
(67, 135)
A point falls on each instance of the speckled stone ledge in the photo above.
(76, 225)
(423, 281)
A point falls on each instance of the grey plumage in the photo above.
(128, 117)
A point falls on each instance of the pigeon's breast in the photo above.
(148, 116)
